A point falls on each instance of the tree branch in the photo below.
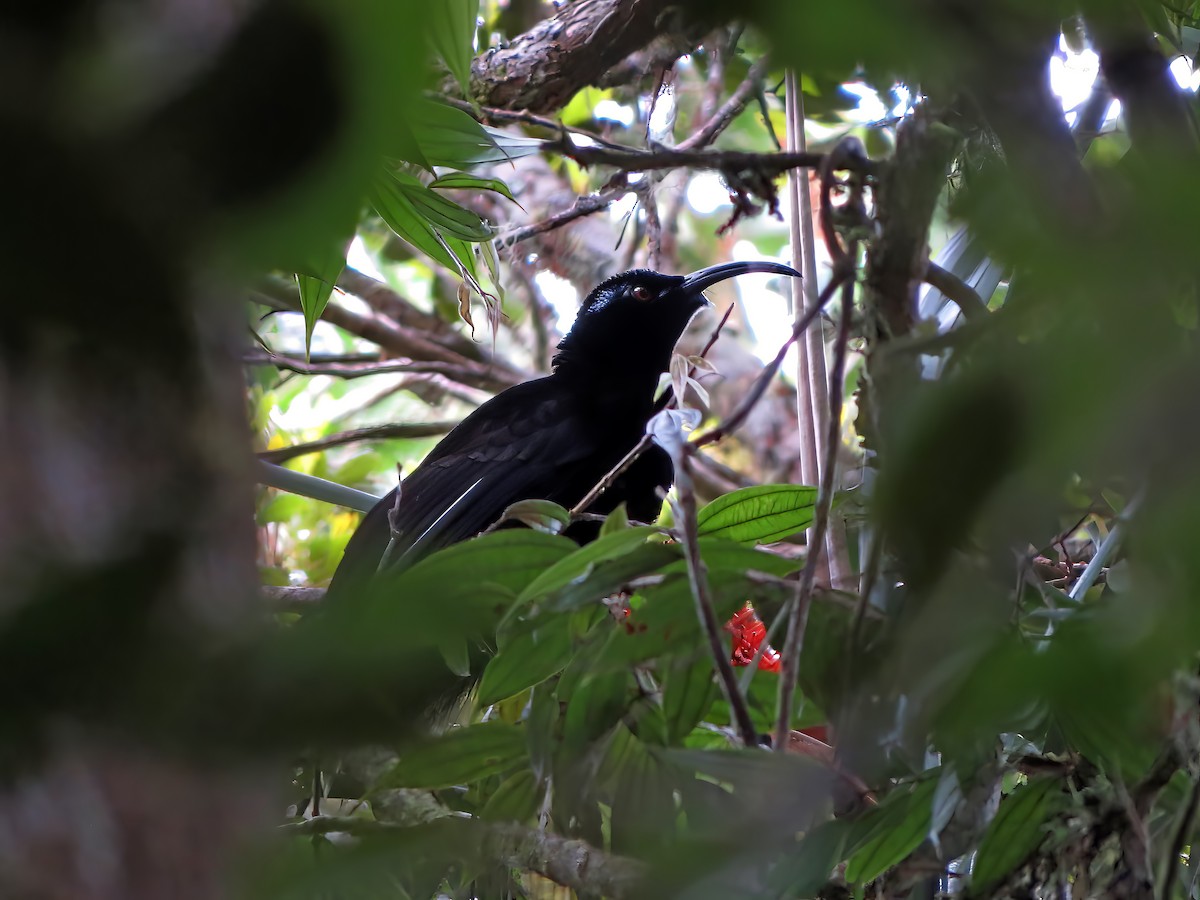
(373, 433)
(570, 863)
(543, 68)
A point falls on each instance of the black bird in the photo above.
(552, 438)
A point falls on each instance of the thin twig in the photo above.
(373, 433)
(583, 206)
(469, 372)
(613, 474)
(698, 578)
(798, 619)
(737, 418)
(730, 109)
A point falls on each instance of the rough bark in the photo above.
(542, 69)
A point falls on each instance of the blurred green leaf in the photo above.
(759, 514)
(617, 520)
(893, 830)
(452, 31)
(804, 871)
(516, 800)
(460, 756)
(1014, 833)
(688, 692)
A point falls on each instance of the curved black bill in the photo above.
(699, 280)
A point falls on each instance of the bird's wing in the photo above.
(523, 443)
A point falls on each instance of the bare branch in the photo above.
(698, 578)
(570, 863)
(583, 206)
(467, 373)
(730, 109)
(543, 68)
(374, 433)
(632, 159)
(738, 416)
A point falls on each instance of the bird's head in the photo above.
(632, 321)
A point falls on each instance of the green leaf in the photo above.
(617, 520)
(442, 213)
(607, 576)
(527, 659)
(394, 207)
(805, 871)
(452, 32)
(516, 800)
(595, 707)
(476, 579)
(466, 181)
(316, 286)
(460, 756)
(760, 514)
(898, 826)
(542, 515)
(449, 137)
(688, 693)
(1014, 833)
(582, 560)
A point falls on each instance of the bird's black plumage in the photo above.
(552, 438)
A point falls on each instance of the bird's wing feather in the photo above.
(523, 443)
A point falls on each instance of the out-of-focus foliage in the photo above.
(1012, 702)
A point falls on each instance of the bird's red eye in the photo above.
(641, 292)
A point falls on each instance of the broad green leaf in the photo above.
(466, 589)
(527, 659)
(460, 756)
(582, 560)
(900, 824)
(516, 800)
(607, 576)
(466, 181)
(394, 207)
(452, 32)
(760, 514)
(688, 693)
(643, 807)
(595, 707)
(450, 137)
(442, 213)
(1016, 832)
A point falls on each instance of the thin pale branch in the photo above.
(798, 618)
(698, 578)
